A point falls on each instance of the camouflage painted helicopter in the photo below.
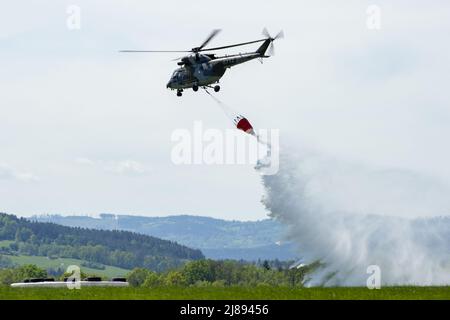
(203, 70)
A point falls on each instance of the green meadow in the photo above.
(46, 263)
(227, 293)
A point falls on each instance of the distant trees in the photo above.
(8, 276)
(195, 273)
(153, 279)
(23, 234)
(30, 271)
(137, 277)
(116, 248)
(220, 273)
(8, 227)
(266, 265)
(175, 278)
(204, 270)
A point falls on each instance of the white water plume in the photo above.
(349, 217)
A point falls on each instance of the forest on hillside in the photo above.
(111, 247)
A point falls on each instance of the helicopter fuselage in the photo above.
(200, 70)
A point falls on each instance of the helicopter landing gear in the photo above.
(195, 87)
(216, 88)
(179, 92)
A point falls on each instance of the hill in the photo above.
(124, 249)
(216, 238)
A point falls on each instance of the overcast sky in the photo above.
(86, 130)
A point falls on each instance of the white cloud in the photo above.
(123, 167)
(9, 173)
(126, 167)
(85, 161)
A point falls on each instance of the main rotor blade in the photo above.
(213, 34)
(153, 51)
(233, 45)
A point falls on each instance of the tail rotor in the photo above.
(280, 35)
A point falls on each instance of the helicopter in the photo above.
(203, 70)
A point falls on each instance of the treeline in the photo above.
(19, 274)
(221, 273)
(195, 273)
(117, 248)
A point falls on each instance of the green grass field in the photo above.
(45, 263)
(229, 293)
